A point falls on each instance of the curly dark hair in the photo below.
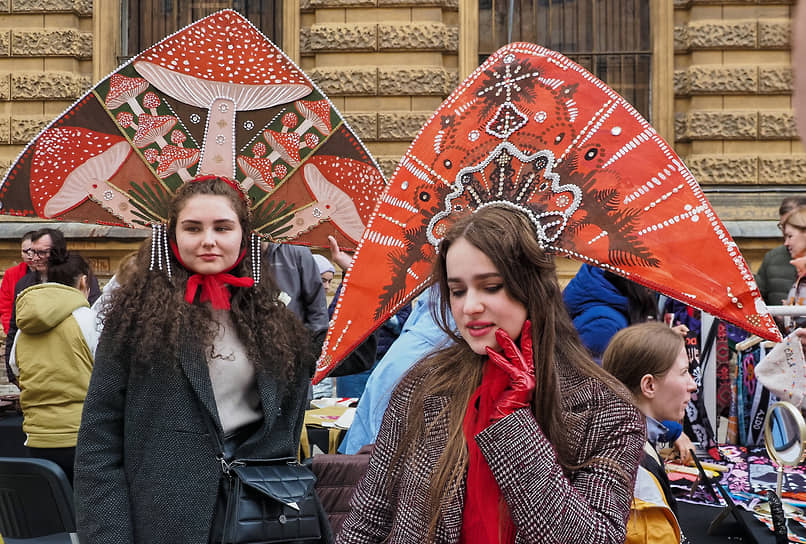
(148, 319)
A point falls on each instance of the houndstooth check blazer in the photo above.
(590, 506)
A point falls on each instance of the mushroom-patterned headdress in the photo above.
(215, 98)
(533, 131)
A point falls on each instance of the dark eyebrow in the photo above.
(216, 221)
(478, 277)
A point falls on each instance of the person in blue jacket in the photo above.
(420, 336)
(602, 303)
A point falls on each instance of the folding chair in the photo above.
(36, 502)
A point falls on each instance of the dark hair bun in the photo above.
(58, 256)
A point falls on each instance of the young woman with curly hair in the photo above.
(512, 434)
(205, 346)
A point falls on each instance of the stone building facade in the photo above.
(721, 88)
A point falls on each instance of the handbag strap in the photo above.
(226, 465)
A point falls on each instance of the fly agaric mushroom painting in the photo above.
(533, 131)
(218, 98)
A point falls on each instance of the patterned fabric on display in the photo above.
(531, 130)
(218, 98)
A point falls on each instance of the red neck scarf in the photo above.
(213, 286)
(486, 517)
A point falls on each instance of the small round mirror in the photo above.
(785, 434)
(785, 439)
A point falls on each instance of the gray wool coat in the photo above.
(146, 468)
(591, 504)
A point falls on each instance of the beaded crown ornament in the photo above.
(531, 130)
(217, 97)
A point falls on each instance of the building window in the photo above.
(148, 21)
(610, 38)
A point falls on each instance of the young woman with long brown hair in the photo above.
(207, 346)
(513, 434)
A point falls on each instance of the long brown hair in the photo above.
(509, 239)
(646, 348)
(149, 319)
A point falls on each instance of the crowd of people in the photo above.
(501, 408)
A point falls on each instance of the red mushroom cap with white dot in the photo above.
(223, 55)
(151, 128)
(318, 113)
(68, 163)
(259, 169)
(349, 187)
(174, 158)
(122, 89)
(286, 144)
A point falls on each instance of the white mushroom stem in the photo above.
(247, 183)
(118, 205)
(135, 106)
(218, 157)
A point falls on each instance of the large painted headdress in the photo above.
(217, 98)
(531, 130)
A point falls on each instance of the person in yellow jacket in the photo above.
(53, 356)
(651, 360)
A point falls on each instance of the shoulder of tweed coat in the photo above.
(590, 503)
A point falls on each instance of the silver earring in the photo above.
(160, 258)
(256, 256)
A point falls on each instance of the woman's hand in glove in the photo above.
(519, 365)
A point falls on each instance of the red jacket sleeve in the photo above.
(10, 279)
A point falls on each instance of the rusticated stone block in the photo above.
(680, 82)
(336, 37)
(5, 129)
(774, 33)
(48, 85)
(416, 81)
(722, 125)
(339, 81)
(365, 125)
(722, 35)
(777, 125)
(5, 86)
(41, 43)
(5, 164)
(388, 165)
(451, 4)
(81, 7)
(24, 129)
(401, 126)
(680, 133)
(728, 169)
(5, 43)
(340, 3)
(717, 79)
(681, 38)
(775, 79)
(418, 37)
(782, 169)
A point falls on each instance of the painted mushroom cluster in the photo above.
(218, 98)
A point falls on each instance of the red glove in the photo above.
(519, 365)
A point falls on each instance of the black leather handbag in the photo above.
(270, 500)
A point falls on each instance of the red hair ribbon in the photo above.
(231, 183)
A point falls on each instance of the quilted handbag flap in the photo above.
(286, 483)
